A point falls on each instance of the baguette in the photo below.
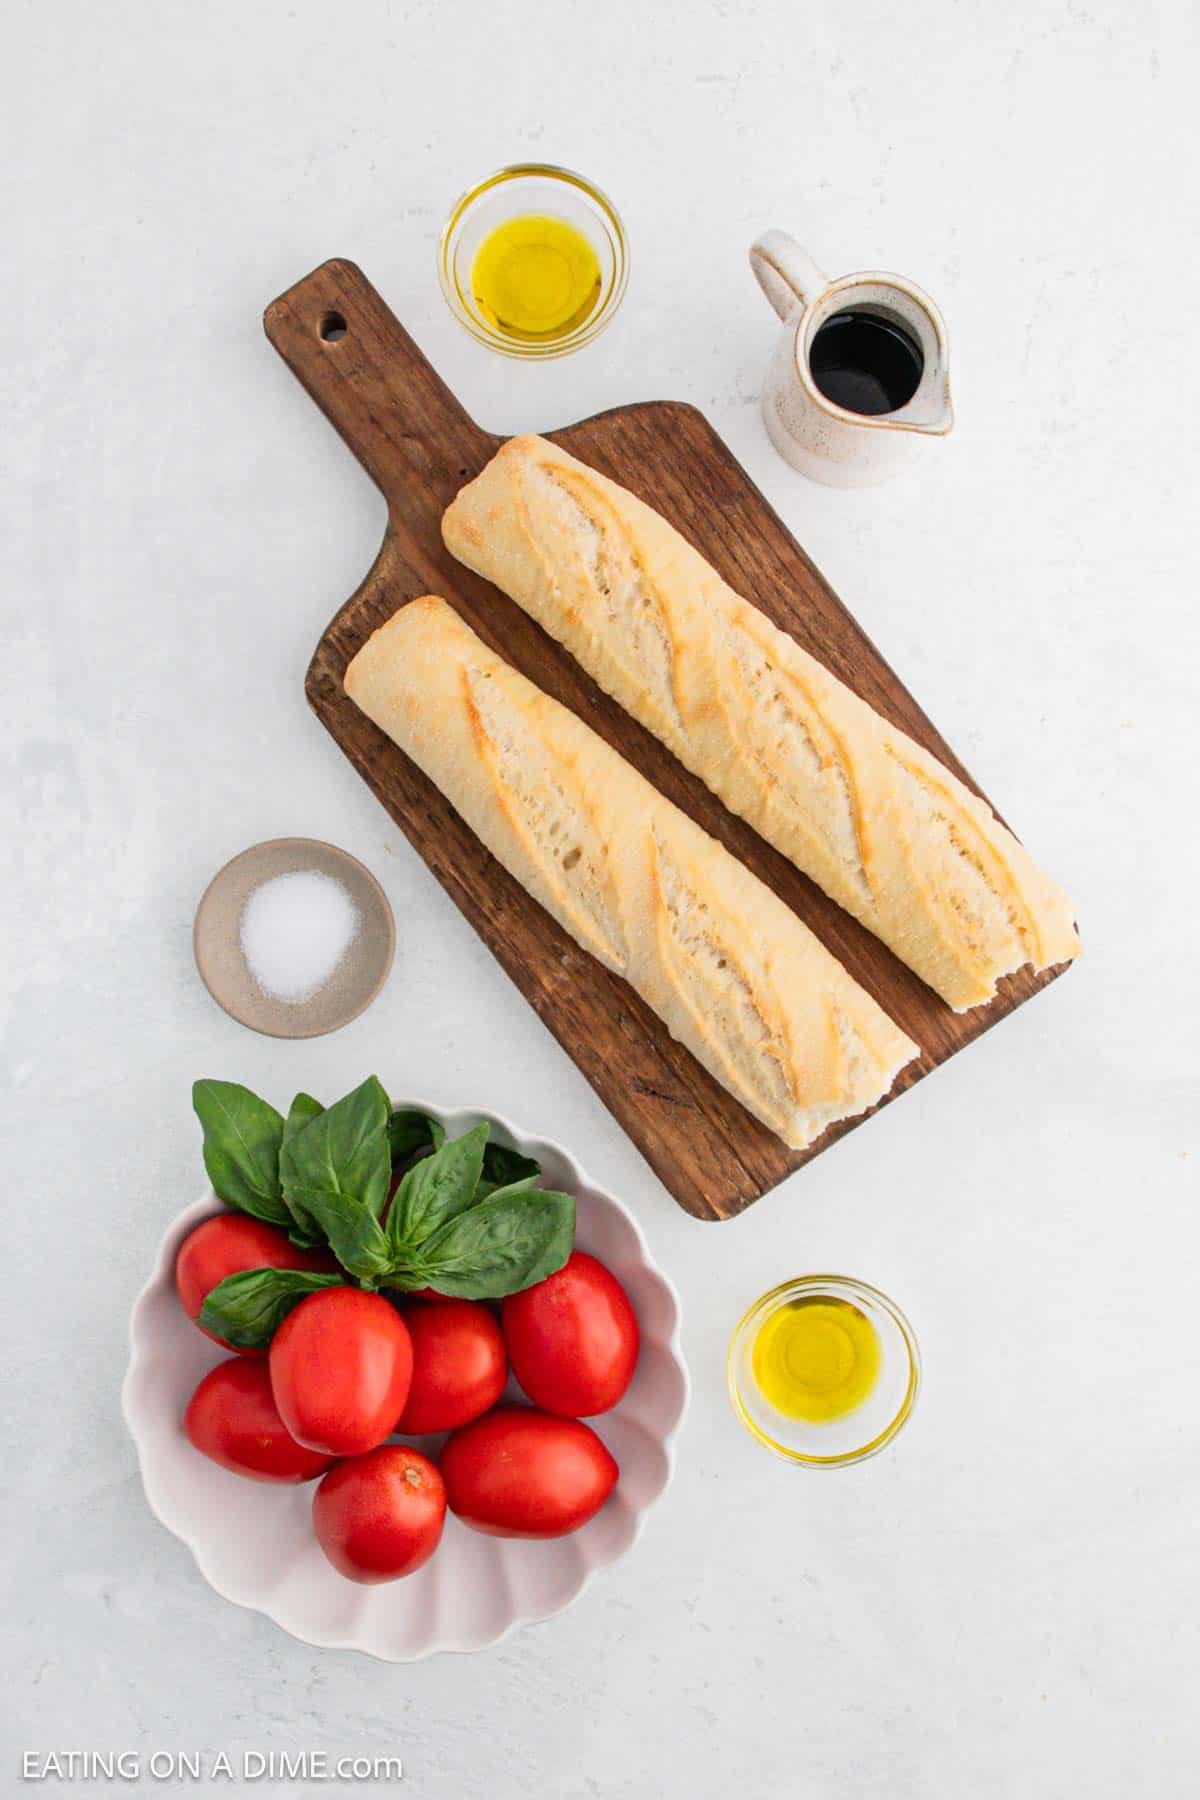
(732, 973)
(869, 815)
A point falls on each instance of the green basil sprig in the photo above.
(247, 1309)
(300, 1113)
(453, 1228)
(242, 1136)
(494, 1247)
(336, 1171)
(305, 1230)
(466, 1217)
(434, 1190)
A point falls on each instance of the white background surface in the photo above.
(1003, 1605)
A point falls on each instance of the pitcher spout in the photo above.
(932, 413)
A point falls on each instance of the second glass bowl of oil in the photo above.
(533, 261)
(824, 1370)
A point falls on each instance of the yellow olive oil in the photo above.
(535, 278)
(816, 1359)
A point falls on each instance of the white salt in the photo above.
(295, 930)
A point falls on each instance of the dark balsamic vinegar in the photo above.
(866, 363)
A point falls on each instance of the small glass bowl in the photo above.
(532, 188)
(833, 1443)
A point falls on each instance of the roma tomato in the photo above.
(225, 1246)
(520, 1473)
(459, 1365)
(233, 1420)
(380, 1516)
(340, 1367)
(572, 1339)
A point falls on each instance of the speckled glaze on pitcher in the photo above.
(810, 431)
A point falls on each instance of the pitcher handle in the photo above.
(785, 272)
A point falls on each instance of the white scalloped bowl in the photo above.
(254, 1543)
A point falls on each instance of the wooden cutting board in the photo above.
(414, 439)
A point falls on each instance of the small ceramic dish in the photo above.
(254, 1543)
(532, 188)
(216, 939)
(832, 1443)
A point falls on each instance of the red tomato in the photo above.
(572, 1339)
(380, 1516)
(459, 1365)
(232, 1419)
(520, 1473)
(340, 1367)
(225, 1246)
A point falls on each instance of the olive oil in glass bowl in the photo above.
(533, 261)
(823, 1371)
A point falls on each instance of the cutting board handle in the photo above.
(372, 383)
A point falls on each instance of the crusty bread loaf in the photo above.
(869, 815)
(732, 973)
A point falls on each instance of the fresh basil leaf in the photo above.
(343, 1150)
(300, 1113)
(525, 1185)
(304, 1231)
(336, 1171)
(242, 1135)
(307, 1237)
(410, 1131)
(435, 1190)
(350, 1229)
(505, 1168)
(504, 1244)
(247, 1309)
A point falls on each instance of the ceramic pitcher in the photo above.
(813, 433)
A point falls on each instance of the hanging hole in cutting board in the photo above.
(333, 328)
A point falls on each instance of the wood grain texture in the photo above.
(419, 446)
